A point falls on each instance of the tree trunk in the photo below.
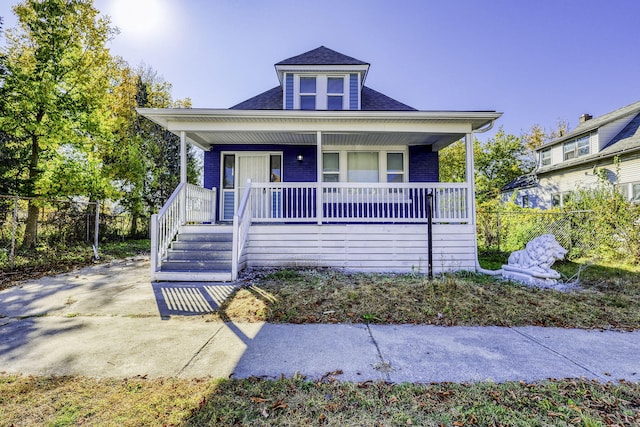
(133, 231)
(31, 228)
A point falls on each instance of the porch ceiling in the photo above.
(206, 127)
(205, 139)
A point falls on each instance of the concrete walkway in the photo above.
(109, 321)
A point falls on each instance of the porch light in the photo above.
(300, 158)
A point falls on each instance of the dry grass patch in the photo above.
(62, 401)
(610, 300)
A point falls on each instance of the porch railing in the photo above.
(241, 224)
(350, 202)
(188, 204)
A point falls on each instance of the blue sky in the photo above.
(538, 62)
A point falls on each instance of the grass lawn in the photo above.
(609, 298)
(65, 401)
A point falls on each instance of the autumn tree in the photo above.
(143, 157)
(57, 75)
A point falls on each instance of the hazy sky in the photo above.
(537, 61)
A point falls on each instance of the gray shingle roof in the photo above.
(375, 101)
(321, 56)
(371, 101)
(269, 100)
(595, 123)
(524, 181)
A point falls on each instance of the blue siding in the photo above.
(289, 91)
(423, 164)
(423, 167)
(293, 171)
(354, 91)
(229, 197)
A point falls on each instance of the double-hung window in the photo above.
(308, 90)
(395, 167)
(335, 93)
(545, 157)
(635, 192)
(576, 148)
(331, 167)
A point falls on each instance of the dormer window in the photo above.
(308, 93)
(320, 92)
(335, 93)
(576, 148)
(545, 157)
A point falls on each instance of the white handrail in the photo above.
(241, 224)
(188, 203)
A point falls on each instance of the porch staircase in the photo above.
(199, 253)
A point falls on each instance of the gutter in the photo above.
(478, 268)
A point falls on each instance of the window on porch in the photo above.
(364, 166)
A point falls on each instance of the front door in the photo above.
(239, 167)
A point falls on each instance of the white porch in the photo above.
(412, 227)
(363, 226)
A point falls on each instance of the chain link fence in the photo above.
(59, 224)
(508, 231)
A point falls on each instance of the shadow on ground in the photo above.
(190, 298)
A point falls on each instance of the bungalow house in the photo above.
(319, 171)
(608, 146)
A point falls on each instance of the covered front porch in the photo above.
(351, 189)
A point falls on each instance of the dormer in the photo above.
(322, 79)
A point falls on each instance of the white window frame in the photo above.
(343, 153)
(545, 157)
(634, 198)
(578, 144)
(322, 95)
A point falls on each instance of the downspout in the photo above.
(471, 168)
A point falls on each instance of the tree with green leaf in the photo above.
(500, 160)
(143, 157)
(55, 85)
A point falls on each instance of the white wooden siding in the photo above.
(584, 178)
(630, 169)
(362, 247)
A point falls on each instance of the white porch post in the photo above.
(319, 195)
(183, 157)
(183, 176)
(470, 168)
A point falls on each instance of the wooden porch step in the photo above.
(201, 246)
(198, 255)
(205, 237)
(196, 265)
(184, 276)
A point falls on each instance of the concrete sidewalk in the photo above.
(107, 321)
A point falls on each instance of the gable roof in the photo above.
(594, 124)
(372, 100)
(321, 56)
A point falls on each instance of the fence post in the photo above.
(14, 229)
(96, 232)
(498, 232)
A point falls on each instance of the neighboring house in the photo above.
(575, 160)
(321, 170)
